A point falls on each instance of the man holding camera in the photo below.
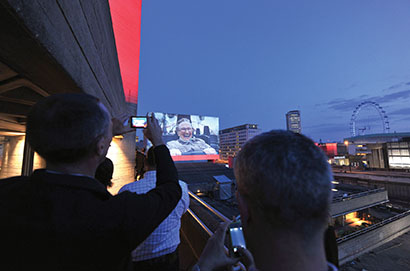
(61, 218)
(284, 195)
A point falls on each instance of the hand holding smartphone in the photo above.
(236, 238)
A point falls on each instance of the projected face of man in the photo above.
(185, 131)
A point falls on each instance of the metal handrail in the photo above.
(206, 205)
(372, 227)
(199, 221)
(358, 195)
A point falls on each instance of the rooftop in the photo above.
(238, 128)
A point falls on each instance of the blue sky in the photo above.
(252, 61)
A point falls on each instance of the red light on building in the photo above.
(230, 161)
(126, 20)
(195, 157)
(330, 149)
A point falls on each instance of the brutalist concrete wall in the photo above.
(397, 187)
(12, 156)
(359, 203)
(79, 38)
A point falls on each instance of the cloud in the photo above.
(352, 86)
(393, 96)
(395, 86)
(343, 104)
(402, 111)
(348, 104)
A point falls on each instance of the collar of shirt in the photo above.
(69, 180)
(72, 174)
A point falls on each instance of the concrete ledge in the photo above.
(356, 244)
(358, 202)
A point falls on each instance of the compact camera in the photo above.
(138, 122)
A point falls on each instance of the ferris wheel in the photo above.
(380, 110)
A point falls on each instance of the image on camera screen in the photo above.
(139, 122)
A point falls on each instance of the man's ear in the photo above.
(100, 147)
(243, 209)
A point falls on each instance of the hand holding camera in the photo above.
(214, 256)
(153, 131)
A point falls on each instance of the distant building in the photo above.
(293, 121)
(336, 152)
(387, 150)
(333, 149)
(232, 139)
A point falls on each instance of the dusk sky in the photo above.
(252, 61)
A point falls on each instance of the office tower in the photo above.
(293, 121)
(232, 139)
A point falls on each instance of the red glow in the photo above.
(126, 20)
(195, 157)
(230, 161)
(331, 149)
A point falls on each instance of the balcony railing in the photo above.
(195, 231)
(357, 195)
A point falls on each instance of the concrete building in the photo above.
(384, 151)
(336, 152)
(51, 47)
(293, 121)
(232, 139)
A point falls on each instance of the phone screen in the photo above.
(237, 239)
(138, 122)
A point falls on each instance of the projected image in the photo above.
(190, 134)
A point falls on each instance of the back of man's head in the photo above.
(64, 128)
(286, 178)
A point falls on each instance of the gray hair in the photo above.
(288, 179)
(64, 128)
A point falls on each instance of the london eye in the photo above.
(382, 113)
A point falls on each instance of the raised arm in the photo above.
(145, 212)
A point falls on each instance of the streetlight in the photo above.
(346, 143)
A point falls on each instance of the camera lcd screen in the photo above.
(138, 122)
(237, 238)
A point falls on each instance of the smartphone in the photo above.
(138, 122)
(236, 238)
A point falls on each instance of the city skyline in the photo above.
(253, 62)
